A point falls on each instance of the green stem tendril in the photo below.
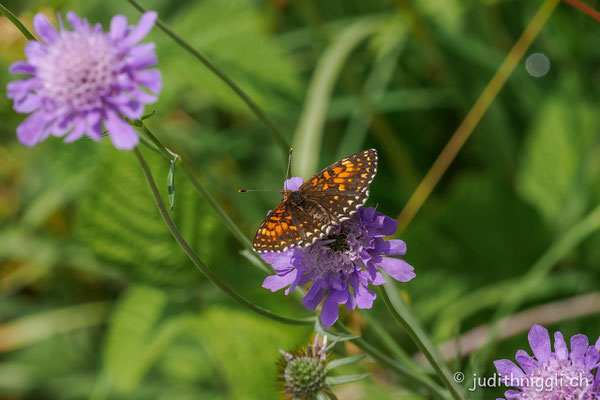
(13, 18)
(190, 173)
(162, 209)
(277, 136)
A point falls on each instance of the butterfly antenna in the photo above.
(287, 173)
(257, 190)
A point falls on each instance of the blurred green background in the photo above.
(97, 300)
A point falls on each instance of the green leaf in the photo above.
(244, 349)
(551, 167)
(136, 338)
(339, 380)
(340, 362)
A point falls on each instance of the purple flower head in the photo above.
(553, 375)
(83, 79)
(349, 257)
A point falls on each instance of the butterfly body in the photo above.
(330, 197)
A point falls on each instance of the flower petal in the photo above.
(35, 52)
(591, 358)
(44, 29)
(150, 78)
(143, 27)
(123, 136)
(393, 247)
(364, 297)
(293, 183)
(314, 295)
(143, 56)
(33, 129)
(579, 345)
(330, 311)
(526, 362)
(118, 27)
(77, 132)
(539, 340)
(397, 268)
(560, 346)
(21, 67)
(75, 21)
(278, 282)
(509, 371)
(28, 104)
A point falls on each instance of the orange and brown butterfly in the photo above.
(330, 197)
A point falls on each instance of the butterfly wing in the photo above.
(342, 188)
(328, 198)
(278, 231)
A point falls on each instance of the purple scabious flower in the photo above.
(84, 79)
(349, 257)
(553, 375)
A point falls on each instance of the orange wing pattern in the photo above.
(330, 197)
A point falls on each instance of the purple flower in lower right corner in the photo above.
(553, 375)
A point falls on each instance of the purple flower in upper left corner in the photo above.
(84, 80)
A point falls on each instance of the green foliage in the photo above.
(234, 36)
(118, 221)
(78, 224)
(555, 158)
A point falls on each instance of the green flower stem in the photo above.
(13, 18)
(162, 209)
(191, 174)
(403, 370)
(386, 339)
(404, 317)
(277, 136)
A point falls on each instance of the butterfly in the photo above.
(330, 197)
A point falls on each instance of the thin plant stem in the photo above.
(584, 8)
(191, 174)
(13, 18)
(408, 322)
(401, 369)
(467, 126)
(277, 136)
(162, 209)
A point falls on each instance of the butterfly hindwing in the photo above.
(278, 231)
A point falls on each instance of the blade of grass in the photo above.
(408, 322)
(31, 329)
(467, 126)
(374, 88)
(584, 8)
(401, 369)
(13, 18)
(308, 135)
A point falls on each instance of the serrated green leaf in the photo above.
(119, 222)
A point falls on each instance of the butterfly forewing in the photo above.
(328, 198)
(351, 174)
